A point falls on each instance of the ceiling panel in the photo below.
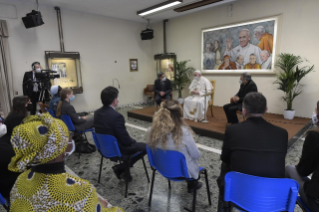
(122, 9)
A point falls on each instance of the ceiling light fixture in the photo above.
(159, 7)
(201, 4)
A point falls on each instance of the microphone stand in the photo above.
(205, 121)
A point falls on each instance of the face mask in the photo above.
(164, 79)
(72, 98)
(240, 82)
(118, 102)
(67, 154)
(314, 118)
(196, 78)
(38, 70)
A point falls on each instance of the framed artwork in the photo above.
(133, 65)
(249, 46)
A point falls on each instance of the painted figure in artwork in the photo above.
(252, 63)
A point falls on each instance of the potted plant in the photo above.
(182, 78)
(288, 79)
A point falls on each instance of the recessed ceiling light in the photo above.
(159, 7)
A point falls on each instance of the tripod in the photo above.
(44, 90)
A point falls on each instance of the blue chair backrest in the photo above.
(68, 122)
(2, 200)
(108, 145)
(51, 112)
(95, 140)
(169, 163)
(259, 193)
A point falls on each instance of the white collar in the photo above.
(112, 107)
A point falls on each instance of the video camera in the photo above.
(44, 80)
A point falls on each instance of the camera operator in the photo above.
(30, 86)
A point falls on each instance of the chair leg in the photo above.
(146, 172)
(194, 196)
(127, 173)
(101, 164)
(211, 111)
(169, 184)
(207, 188)
(152, 185)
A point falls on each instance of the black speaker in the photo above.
(147, 34)
(33, 19)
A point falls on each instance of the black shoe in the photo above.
(190, 186)
(117, 171)
(130, 178)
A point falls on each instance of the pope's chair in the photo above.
(172, 165)
(4, 203)
(211, 101)
(302, 205)
(108, 148)
(259, 194)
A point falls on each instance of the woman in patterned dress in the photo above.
(42, 143)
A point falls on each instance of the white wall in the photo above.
(299, 34)
(100, 40)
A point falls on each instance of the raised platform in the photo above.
(217, 124)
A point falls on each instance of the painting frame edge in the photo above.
(277, 35)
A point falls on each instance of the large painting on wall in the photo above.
(250, 46)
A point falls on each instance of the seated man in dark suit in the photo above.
(108, 121)
(246, 86)
(162, 88)
(253, 147)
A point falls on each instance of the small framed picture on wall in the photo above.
(133, 65)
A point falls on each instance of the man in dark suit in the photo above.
(30, 87)
(246, 86)
(162, 88)
(253, 147)
(108, 121)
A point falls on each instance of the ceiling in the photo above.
(124, 9)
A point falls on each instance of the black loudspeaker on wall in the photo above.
(147, 34)
(33, 19)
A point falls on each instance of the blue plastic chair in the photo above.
(68, 122)
(51, 112)
(302, 205)
(260, 194)
(172, 165)
(108, 147)
(4, 203)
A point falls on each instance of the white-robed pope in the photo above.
(194, 105)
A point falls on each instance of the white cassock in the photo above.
(266, 64)
(246, 52)
(194, 105)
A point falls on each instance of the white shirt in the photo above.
(245, 52)
(266, 64)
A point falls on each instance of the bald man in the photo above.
(194, 105)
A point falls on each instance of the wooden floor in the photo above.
(217, 124)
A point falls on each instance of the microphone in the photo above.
(118, 82)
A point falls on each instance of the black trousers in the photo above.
(137, 147)
(158, 98)
(34, 99)
(230, 111)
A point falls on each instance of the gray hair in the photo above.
(260, 29)
(265, 51)
(255, 104)
(247, 30)
(246, 76)
(252, 54)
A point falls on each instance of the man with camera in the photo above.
(31, 87)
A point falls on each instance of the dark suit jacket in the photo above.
(110, 122)
(256, 147)
(69, 110)
(28, 84)
(245, 89)
(167, 88)
(309, 163)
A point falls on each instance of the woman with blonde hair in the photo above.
(169, 131)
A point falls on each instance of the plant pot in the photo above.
(289, 114)
(180, 101)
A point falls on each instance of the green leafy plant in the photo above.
(182, 76)
(289, 76)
